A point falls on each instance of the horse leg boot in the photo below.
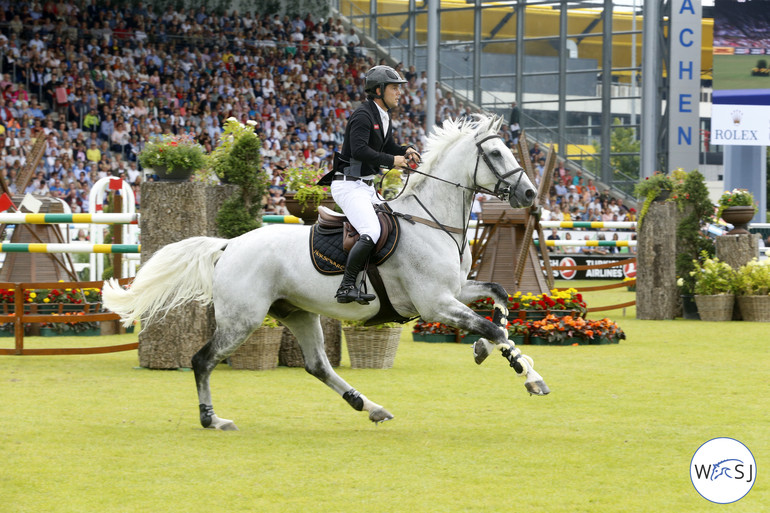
(525, 366)
(357, 258)
(482, 347)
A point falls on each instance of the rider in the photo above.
(368, 145)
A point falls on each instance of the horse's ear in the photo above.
(494, 123)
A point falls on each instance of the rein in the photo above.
(499, 192)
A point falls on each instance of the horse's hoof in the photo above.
(480, 351)
(537, 387)
(222, 424)
(379, 415)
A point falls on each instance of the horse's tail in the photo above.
(176, 274)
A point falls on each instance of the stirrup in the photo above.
(351, 293)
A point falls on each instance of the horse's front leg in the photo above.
(473, 290)
(493, 336)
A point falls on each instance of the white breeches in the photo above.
(356, 200)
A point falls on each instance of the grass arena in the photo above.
(617, 433)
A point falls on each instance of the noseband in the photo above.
(501, 192)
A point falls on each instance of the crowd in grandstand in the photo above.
(99, 80)
(742, 24)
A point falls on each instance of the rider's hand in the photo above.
(413, 156)
(399, 161)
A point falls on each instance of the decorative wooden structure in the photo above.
(499, 246)
(35, 267)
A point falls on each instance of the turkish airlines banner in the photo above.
(578, 259)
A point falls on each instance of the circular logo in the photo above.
(723, 470)
(629, 270)
(567, 275)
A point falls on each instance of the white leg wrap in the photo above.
(528, 365)
(504, 318)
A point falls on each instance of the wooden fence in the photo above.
(601, 287)
(23, 313)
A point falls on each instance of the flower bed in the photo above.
(557, 318)
(564, 330)
(65, 296)
(530, 306)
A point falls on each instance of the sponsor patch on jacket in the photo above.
(376, 127)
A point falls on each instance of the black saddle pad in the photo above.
(326, 248)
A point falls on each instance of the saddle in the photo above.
(332, 237)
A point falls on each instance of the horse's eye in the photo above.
(496, 153)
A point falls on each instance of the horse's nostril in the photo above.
(530, 194)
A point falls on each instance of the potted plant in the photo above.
(737, 207)
(371, 347)
(260, 351)
(713, 289)
(303, 194)
(172, 157)
(236, 160)
(752, 289)
(657, 187)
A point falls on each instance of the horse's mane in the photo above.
(447, 135)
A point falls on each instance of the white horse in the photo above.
(268, 270)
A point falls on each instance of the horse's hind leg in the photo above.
(221, 345)
(306, 327)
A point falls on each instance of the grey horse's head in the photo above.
(510, 180)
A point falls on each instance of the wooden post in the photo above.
(657, 295)
(117, 236)
(18, 322)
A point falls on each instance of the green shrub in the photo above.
(753, 279)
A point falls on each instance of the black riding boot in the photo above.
(357, 257)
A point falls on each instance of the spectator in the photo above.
(514, 122)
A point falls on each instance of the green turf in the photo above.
(734, 72)
(95, 434)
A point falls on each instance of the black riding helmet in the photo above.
(380, 76)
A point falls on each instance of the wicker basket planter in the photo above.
(260, 351)
(372, 348)
(715, 308)
(755, 308)
(290, 354)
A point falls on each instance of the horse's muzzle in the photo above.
(524, 199)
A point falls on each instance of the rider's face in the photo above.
(392, 95)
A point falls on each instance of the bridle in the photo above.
(502, 193)
(502, 190)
